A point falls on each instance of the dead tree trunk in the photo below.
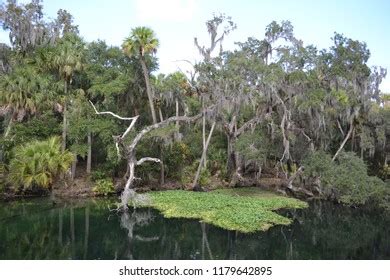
(204, 131)
(284, 125)
(203, 158)
(128, 151)
(177, 133)
(345, 140)
(162, 169)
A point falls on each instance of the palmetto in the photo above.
(21, 93)
(38, 163)
(18, 92)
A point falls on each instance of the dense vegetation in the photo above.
(313, 120)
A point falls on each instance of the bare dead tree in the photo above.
(212, 29)
(216, 38)
(128, 151)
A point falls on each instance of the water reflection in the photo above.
(36, 229)
(129, 222)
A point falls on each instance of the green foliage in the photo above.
(229, 209)
(346, 178)
(163, 133)
(204, 177)
(37, 163)
(319, 164)
(141, 41)
(352, 182)
(176, 157)
(2, 177)
(341, 96)
(24, 91)
(188, 174)
(98, 174)
(316, 95)
(253, 146)
(103, 187)
(37, 128)
(68, 56)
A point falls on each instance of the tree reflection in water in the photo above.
(35, 229)
(129, 222)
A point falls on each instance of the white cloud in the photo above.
(166, 10)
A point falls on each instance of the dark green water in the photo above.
(35, 229)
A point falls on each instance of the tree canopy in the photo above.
(273, 107)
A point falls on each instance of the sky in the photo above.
(177, 22)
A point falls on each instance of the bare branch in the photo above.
(351, 127)
(130, 126)
(111, 113)
(142, 160)
(159, 125)
(249, 124)
(340, 128)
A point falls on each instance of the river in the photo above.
(86, 229)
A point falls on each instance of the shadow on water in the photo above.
(35, 229)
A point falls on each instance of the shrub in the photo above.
(347, 178)
(98, 175)
(319, 164)
(37, 163)
(175, 157)
(103, 187)
(189, 172)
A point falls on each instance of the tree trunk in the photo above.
(202, 159)
(344, 142)
(177, 123)
(129, 149)
(162, 169)
(231, 160)
(64, 128)
(148, 90)
(204, 132)
(89, 155)
(73, 170)
(161, 115)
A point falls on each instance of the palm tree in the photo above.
(21, 92)
(141, 42)
(38, 163)
(68, 57)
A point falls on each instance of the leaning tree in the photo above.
(128, 150)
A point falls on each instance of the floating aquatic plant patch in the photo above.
(245, 210)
